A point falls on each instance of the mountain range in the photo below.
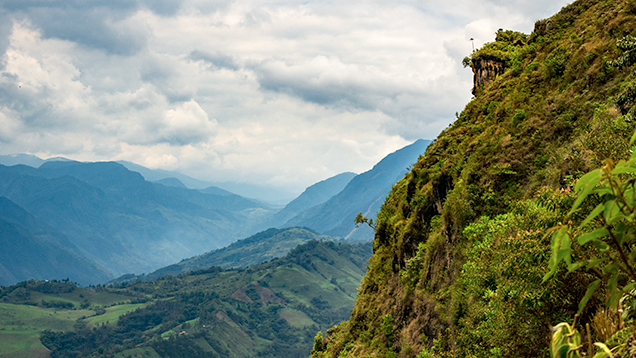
(122, 222)
(365, 194)
(115, 221)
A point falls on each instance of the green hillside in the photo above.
(271, 310)
(264, 246)
(462, 242)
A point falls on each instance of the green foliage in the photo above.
(387, 329)
(565, 341)
(466, 61)
(519, 117)
(360, 219)
(460, 242)
(555, 63)
(439, 349)
(605, 234)
(506, 306)
(268, 310)
(318, 345)
(179, 347)
(628, 45)
(609, 229)
(505, 47)
(627, 98)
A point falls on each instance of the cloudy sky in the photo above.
(284, 93)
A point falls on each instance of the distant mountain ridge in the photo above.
(263, 246)
(264, 193)
(26, 159)
(312, 196)
(123, 222)
(171, 182)
(365, 194)
(30, 249)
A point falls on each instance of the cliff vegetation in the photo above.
(463, 242)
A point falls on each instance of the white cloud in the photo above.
(9, 127)
(286, 93)
(187, 123)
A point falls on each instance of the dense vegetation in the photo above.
(272, 309)
(463, 242)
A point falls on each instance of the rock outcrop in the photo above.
(485, 70)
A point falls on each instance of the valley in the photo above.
(113, 221)
(511, 234)
(272, 309)
(90, 250)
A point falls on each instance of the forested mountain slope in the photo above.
(460, 245)
(314, 195)
(268, 310)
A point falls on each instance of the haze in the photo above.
(283, 93)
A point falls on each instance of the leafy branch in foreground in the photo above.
(609, 234)
(609, 230)
(614, 234)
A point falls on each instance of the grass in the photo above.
(146, 352)
(296, 318)
(36, 297)
(112, 314)
(201, 342)
(21, 344)
(20, 328)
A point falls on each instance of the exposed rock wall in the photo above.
(485, 70)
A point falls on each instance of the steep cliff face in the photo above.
(486, 69)
(541, 119)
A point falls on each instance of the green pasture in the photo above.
(296, 318)
(146, 352)
(20, 327)
(112, 314)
